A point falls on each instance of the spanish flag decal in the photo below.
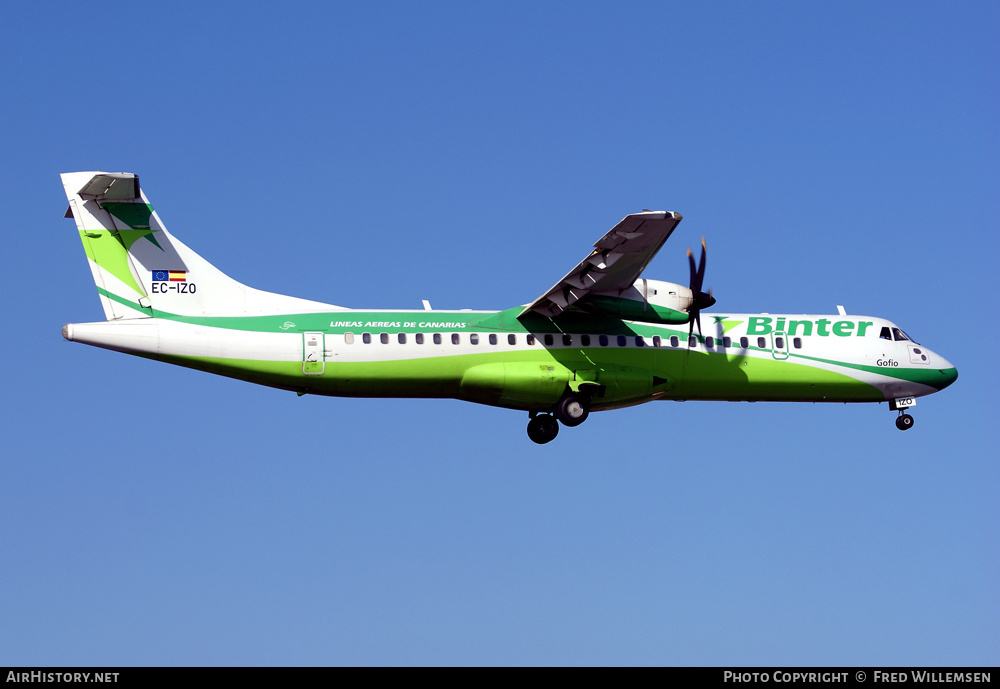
(169, 276)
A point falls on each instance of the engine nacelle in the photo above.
(666, 294)
(650, 301)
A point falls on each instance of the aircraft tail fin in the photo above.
(142, 271)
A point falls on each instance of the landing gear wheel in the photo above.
(572, 411)
(542, 429)
(904, 422)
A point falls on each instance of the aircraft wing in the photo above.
(615, 263)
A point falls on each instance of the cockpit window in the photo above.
(894, 334)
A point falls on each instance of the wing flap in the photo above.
(616, 262)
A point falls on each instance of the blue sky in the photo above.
(373, 155)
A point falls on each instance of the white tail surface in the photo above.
(141, 269)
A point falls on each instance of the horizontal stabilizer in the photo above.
(112, 186)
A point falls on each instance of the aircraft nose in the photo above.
(948, 375)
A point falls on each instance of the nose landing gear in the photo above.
(904, 421)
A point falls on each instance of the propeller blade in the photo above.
(698, 298)
(693, 271)
(701, 265)
(695, 318)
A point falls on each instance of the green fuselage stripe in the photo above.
(713, 377)
(505, 322)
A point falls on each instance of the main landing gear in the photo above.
(572, 410)
(904, 421)
(543, 428)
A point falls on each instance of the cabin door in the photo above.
(313, 362)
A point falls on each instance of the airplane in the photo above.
(601, 338)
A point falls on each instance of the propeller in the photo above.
(699, 300)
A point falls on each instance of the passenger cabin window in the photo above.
(366, 338)
(437, 338)
(493, 339)
(512, 339)
(762, 343)
(744, 342)
(456, 338)
(622, 340)
(384, 338)
(674, 341)
(779, 342)
(797, 342)
(603, 339)
(727, 342)
(348, 338)
(639, 342)
(419, 337)
(656, 340)
(709, 342)
(567, 340)
(401, 338)
(692, 341)
(473, 339)
(530, 339)
(548, 340)
(585, 340)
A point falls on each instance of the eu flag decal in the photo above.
(169, 276)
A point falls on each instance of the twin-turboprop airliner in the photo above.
(601, 338)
